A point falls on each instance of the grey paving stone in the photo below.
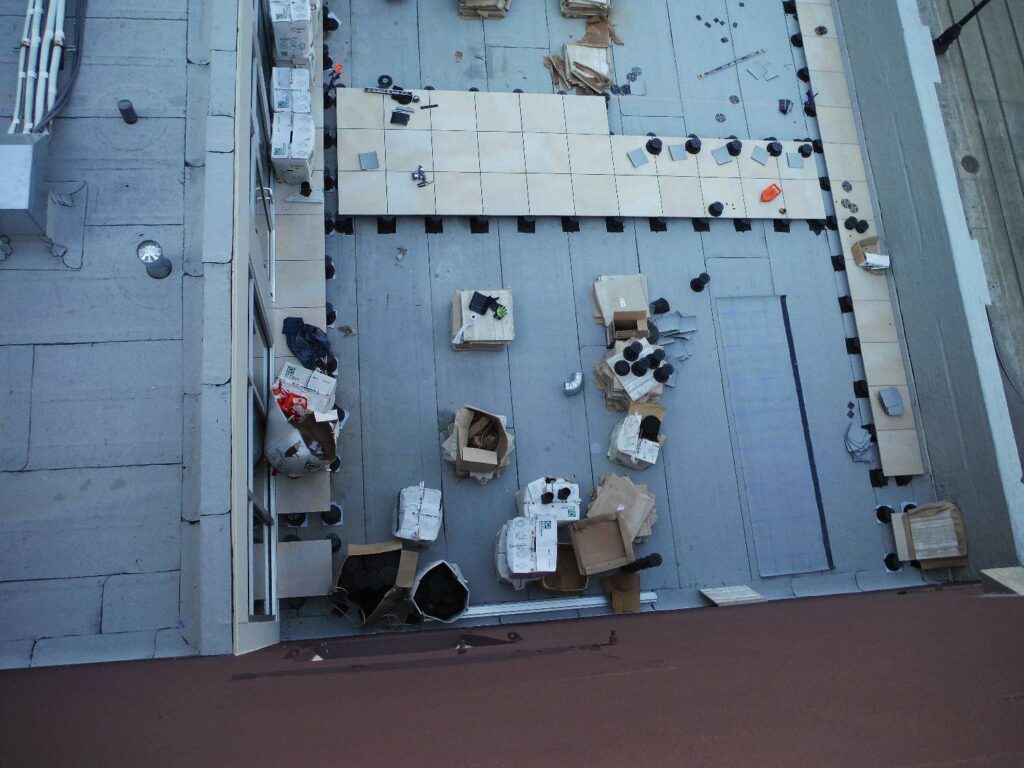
(170, 644)
(140, 601)
(222, 83)
(86, 649)
(220, 133)
(15, 654)
(824, 584)
(33, 609)
(110, 299)
(132, 405)
(218, 208)
(15, 403)
(198, 104)
(206, 584)
(223, 20)
(871, 581)
(136, 197)
(216, 335)
(68, 523)
(214, 450)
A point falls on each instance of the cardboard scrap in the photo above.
(621, 514)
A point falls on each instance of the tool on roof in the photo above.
(399, 95)
(732, 63)
(770, 192)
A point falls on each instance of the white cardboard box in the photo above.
(529, 500)
(419, 514)
(531, 545)
(628, 448)
(318, 388)
(292, 21)
(290, 90)
(292, 142)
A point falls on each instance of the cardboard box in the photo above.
(567, 579)
(601, 544)
(394, 606)
(440, 591)
(525, 549)
(486, 332)
(477, 460)
(290, 90)
(627, 325)
(292, 141)
(632, 503)
(544, 496)
(419, 513)
(865, 254)
(933, 534)
(312, 391)
(623, 589)
(627, 448)
(619, 293)
(293, 23)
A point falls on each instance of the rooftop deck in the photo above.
(735, 437)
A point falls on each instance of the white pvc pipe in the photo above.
(22, 58)
(33, 64)
(58, 51)
(43, 70)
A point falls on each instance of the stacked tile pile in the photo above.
(483, 9)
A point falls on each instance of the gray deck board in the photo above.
(460, 260)
(397, 401)
(698, 461)
(551, 429)
(802, 272)
(439, 40)
(774, 464)
(760, 25)
(385, 40)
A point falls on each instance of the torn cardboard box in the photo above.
(478, 444)
(302, 423)
(377, 579)
(636, 440)
(440, 591)
(567, 579)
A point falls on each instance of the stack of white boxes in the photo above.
(293, 22)
(293, 138)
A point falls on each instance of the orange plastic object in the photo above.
(770, 193)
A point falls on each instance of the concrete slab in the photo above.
(85, 649)
(142, 60)
(136, 420)
(69, 523)
(34, 609)
(15, 654)
(15, 406)
(111, 298)
(134, 602)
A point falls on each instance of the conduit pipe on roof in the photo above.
(45, 54)
(22, 64)
(31, 69)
